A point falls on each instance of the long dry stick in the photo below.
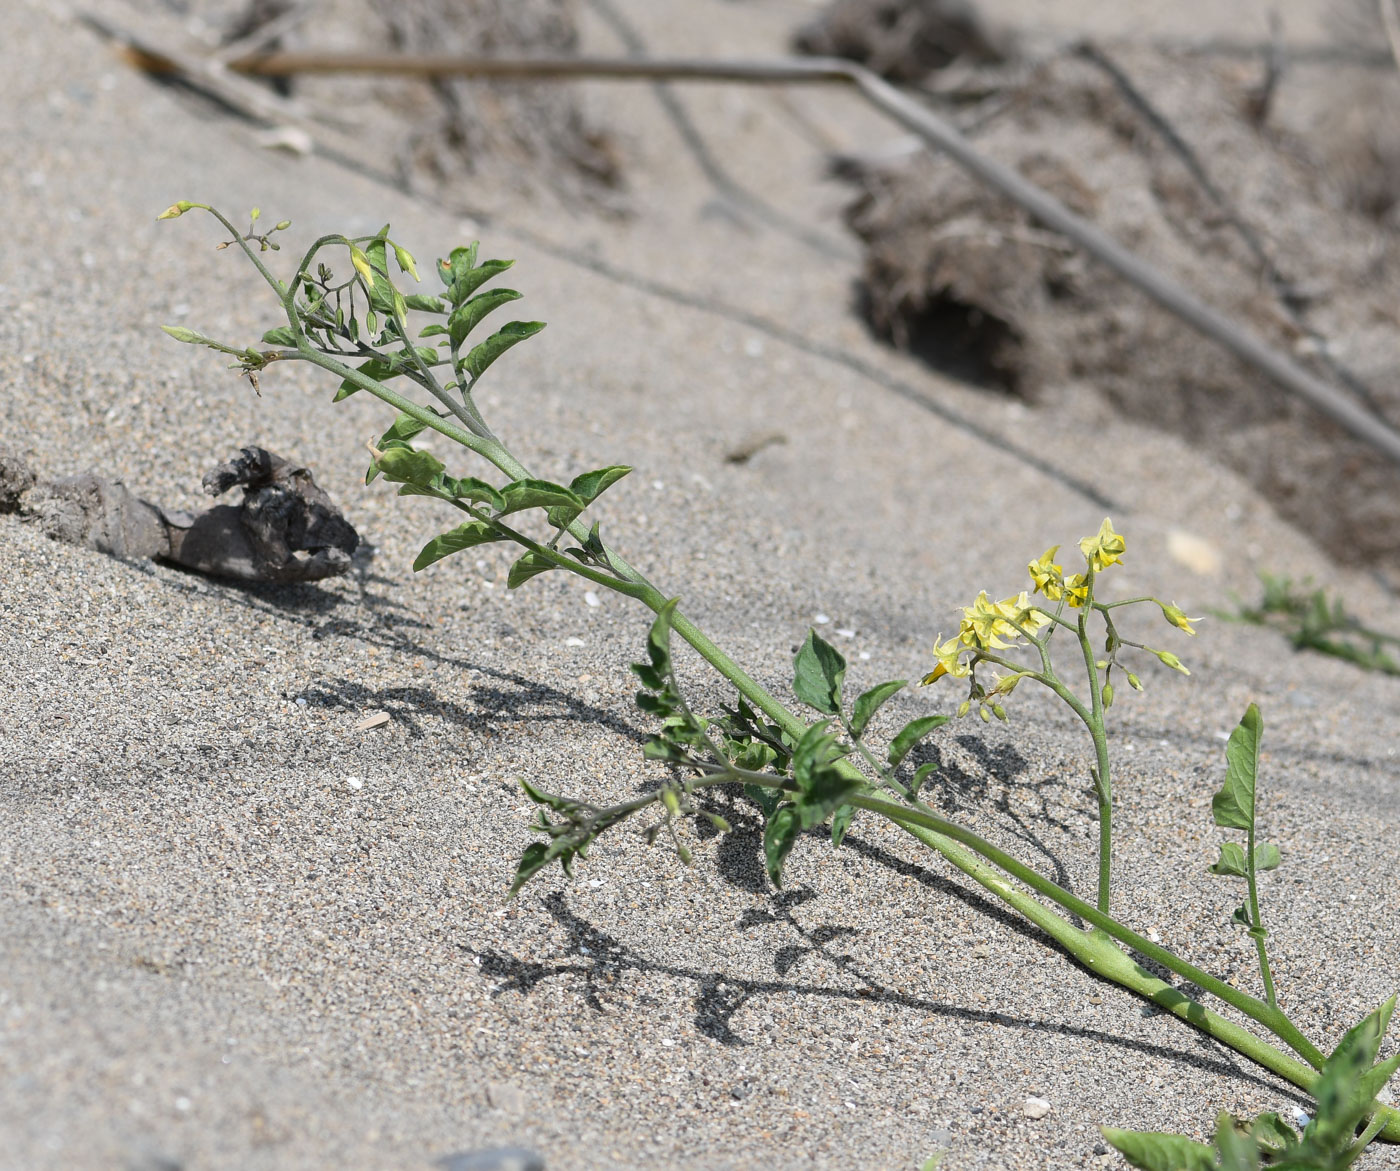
(1166, 291)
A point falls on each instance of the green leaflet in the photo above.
(464, 536)
(529, 565)
(403, 465)
(910, 735)
(1233, 806)
(818, 672)
(468, 315)
(523, 494)
(1155, 1151)
(281, 336)
(497, 344)
(871, 701)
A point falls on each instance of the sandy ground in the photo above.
(237, 932)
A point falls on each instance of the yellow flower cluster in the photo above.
(1100, 551)
(986, 625)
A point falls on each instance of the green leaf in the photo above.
(404, 428)
(1272, 1134)
(464, 536)
(1240, 915)
(910, 735)
(475, 491)
(281, 336)
(1231, 862)
(435, 330)
(590, 485)
(403, 465)
(818, 672)
(1349, 1084)
(1155, 1151)
(466, 317)
(532, 861)
(766, 799)
(540, 797)
(921, 774)
(841, 822)
(498, 343)
(375, 369)
(1236, 1149)
(779, 836)
(466, 284)
(425, 304)
(531, 564)
(870, 702)
(459, 266)
(1233, 806)
(1266, 856)
(523, 494)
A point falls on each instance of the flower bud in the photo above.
(1177, 618)
(671, 801)
(683, 854)
(999, 712)
(254, 214)
(1170, 660)
(1133, 681)
(361, 263)
(985, 714)
(1107, 695)
(964, 708)
(281, 225)
(175, 210)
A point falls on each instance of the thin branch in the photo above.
(1390, 17)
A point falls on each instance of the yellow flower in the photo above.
(948, 662)
(1049, 578)
(989, 625)
(1077, 589)
(1022, 613)
(1178, 619)
(1103, 549)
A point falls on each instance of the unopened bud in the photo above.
(281, 225)
(999, 712)
(1170, 660)
(1178, 618)
(683, 854)
(1134, 682)
(175, 210)
(1107, 695)
(964, 708)
(985, 714)
(671, 801)
(254, 214)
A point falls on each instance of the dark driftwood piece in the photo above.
(285, 530)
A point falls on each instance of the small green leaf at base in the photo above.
(1266, 856)
(1231, 862)
(818, 672)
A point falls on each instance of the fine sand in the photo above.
(237, 931)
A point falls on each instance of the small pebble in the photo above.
(573, 642)
(1036, 1108)
(354, 783)
(821, 619)
(591, 599)
(495, 1159)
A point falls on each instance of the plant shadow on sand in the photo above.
(596, 959)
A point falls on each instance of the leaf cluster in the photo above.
(1345, 1093)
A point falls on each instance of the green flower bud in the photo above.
(718, 822)
(683, 854)
(1107, 694)
(671, 801)
(1134, 682)
(281, 225)
(175, 210)
(999, 712)
(985, 714)
(1170, 660)
(1177, 618)
(256, 212)
(181, 334)
(964, 708)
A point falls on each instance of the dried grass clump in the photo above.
(903, 40)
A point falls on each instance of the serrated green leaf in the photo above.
(467, 316)
(523, 494)
(870, 702)
(841, 822)
(818, 672)
(1233, 806)
(1266, 856)
(590, 485)
(1155, 1151)
(1232, 861)
(529, 565)
(910, 735)
(281, 336)
(497, 344)
(464, 536)
(779, 836)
